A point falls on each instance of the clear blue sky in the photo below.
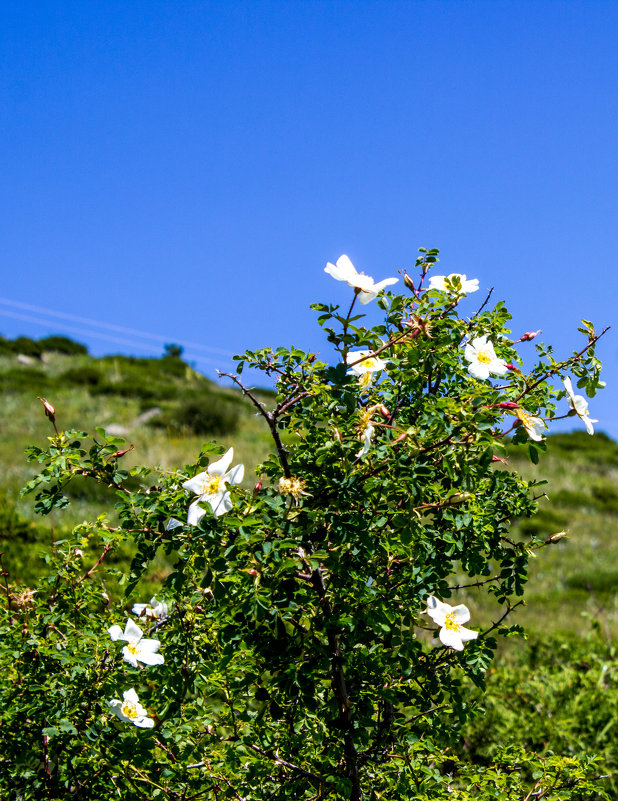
(186, 169)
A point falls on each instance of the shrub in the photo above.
(296, 656)
(60, 344)
(85, 376)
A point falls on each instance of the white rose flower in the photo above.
(210, 486)
(137, 649)
(483, 360)
(344, 270)
(579, 404)
(450, 619)
(131, 711)
(455, 282)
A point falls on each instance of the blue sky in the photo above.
(185, 169)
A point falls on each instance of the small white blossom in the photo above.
(366, 368)
(535, 427)
(445, 283)
(579, 404)
(137, 649)
(344, 270)
(155, 610)
(483, 360)
(210, 486)
(450, 619)
(131, 711)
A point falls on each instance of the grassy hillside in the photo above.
(167, 410)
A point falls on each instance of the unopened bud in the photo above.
(495, 458)
(556, 537)
(258, 485)
(400, 438)
(512, 367)
(458, 497)
(311, 358)
(529, 335)
(49, 409)
(252, 571)
(384, 412)
(337, 434)
(508, 405)
(408, 282)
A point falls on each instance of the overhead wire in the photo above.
(109, 338)
(112, 327)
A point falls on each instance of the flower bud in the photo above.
(529, 335)
(408, 282)
(495, 458)
(50, 412)
(556, 537)
(258, 485)
(459, 497)
(512, 367)
(384, 412)
(508, 405)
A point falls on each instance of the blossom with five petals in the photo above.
(534, 426)
(450, 619)
(367, 289)
(131, 711)
(483, 360)
(210, 486)
(155, 610)
(579, 404)
(366, 368)
(137, 649)
(445, 283)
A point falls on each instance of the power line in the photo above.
(85, 333)
(111, 327)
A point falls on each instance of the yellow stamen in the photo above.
(450, 622)
(483, 358)
(129, 709)
(211, 485)
(132, 648)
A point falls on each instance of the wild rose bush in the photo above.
(309, 642)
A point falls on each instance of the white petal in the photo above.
(132, 631)
(438, 282)
(367, 441)
(366, 297)
(343, 270)
(236, 474)
(195, 514)
(196, 483)
(115, 632)
(129, 657)
(466, 635)
(569, 387)
(220, 467)
(478, 370)
(148, 658)
(437, 610)
(137, 609)
(147, 645)
(588, 423)
(220, 503)
(386, 282)
(130, 695)
(498, 367)
(451, 638)
(461, 612)
(143, 723)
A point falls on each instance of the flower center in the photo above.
(132, 648)
(365, 380)
(450, 622)
(483, 358)
(363, 282)
(129, 709)
(525, 418)
(292, 486)
(211, 485)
